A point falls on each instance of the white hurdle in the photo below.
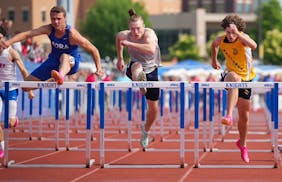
(254, 85)
(130, 85)
(51, 85)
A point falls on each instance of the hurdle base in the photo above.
(208, 166)
(237, 150)
(12, 164)
(147, 166)
(114, 150)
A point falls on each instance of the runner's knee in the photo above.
(136, 67)
(233, 77)
(69, 58)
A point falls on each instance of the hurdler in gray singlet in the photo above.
(149, 61)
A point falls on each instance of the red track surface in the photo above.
(139, 158)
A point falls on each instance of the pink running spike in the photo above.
(227, 121)
(1, 153)
(244, 152)
(58, 76)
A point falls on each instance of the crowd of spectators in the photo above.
(29, 50)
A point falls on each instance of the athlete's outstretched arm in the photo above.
(244, 38)
(45, 29)
(77, 38)
(17, 59)
(119, 47)
(214, 52)
(148, 47)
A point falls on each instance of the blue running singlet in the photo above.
(59, 46)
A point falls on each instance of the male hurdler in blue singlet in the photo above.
(64, 57)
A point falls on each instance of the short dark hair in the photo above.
(3, 31)
(233, 19)
(58, 9)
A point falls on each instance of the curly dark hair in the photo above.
(233, 19)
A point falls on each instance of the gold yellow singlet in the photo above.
(238, 58)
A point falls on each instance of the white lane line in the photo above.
(97, 169)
